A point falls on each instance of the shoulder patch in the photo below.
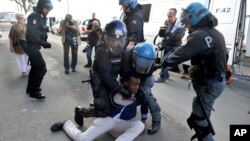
(34, 21)
(134, 21)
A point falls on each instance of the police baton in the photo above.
(85, 81)
(201, 101)
(90, 75)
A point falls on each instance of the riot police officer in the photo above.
(36, 37)
(139, 62)
(106, 67)
(134, 22)
(207, 50)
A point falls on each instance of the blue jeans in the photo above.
(89, 54)
(164, 74)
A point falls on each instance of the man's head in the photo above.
(44, 6)
(93, 15)
(143, 57)
(193, 14)
(172, 15)
(128, 5)
(132, 84)
(115, 34)
(68, 17)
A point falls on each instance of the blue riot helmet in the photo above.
(193, 13)
(44, 4)
(131, 3)
(143, 57)
(115, 33)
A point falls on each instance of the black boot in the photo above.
(81, 113)
(37, 95)
(200, 131)
(78, 116)
(156, 125)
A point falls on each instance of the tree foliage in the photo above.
(24, 4)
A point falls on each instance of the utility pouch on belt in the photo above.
(196, 73)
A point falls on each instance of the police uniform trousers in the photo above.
(209, 91)
(38, 68)
(151, 101)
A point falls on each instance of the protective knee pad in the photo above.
(200, 131)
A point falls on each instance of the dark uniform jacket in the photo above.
(36, 29)
(107, 66)
(134, 24)
(207, 50)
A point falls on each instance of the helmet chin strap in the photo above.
(127, 9)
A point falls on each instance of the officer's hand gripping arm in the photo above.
(125, 93)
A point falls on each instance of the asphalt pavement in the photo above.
(25, 119)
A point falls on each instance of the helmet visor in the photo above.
(185, 17)
(48, 6)
(115, 45)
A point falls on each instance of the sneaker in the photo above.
(73, 70)
(57, 126)
(87, 66)
(160, 80)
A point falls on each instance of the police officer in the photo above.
(207, 50)
(134, 22)
(139, 62)
(106, 67)
(36, 37)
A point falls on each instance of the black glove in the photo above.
(46, 45)
(165, 64)
(156, 66)
(125, 93)
(157, 60)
